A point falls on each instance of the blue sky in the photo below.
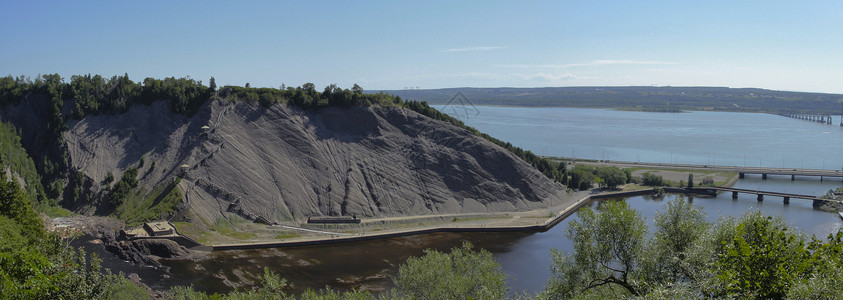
(781, 45)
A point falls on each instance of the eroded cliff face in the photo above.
(281, 163)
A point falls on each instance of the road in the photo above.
(745, 170)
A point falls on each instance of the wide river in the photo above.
(715, 138)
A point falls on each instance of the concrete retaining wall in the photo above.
(527, 228)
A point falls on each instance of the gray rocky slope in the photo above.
(282, 163)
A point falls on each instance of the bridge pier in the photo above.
(786, 200)
(760, 197)
(792, 177)
(740, 175)
(764, 176)
(734, 195)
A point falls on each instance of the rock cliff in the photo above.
(282, 163)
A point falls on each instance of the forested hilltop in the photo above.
(667, 99)
(136, 151)
(63, 125)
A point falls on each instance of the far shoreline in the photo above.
(614, 108)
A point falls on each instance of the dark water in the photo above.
(696, 138)
(527, 263)
(524, 257)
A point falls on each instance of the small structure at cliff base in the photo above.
(149, 229)
(333, 220)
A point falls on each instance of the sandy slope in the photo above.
(282, 163)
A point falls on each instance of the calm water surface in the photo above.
(697, 138)
(705, 138)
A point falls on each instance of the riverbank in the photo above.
(672, 173)
(254, 236)
(531, 221)
(382, 228)
(241, 234)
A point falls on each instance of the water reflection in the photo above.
(524, 257)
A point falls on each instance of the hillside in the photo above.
(283, 163)
(640, 98)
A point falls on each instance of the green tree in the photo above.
(35, 264)
(212, 84)
(826, 282)
(690, 180)
(607, 253)
(612, 176)
(461, 274)
(670, 254)
(752, 257)
(762, 259)
(15, 205)
(628, 173)
(582, 177)
(652, 179)
(124, 186)
(357, 89)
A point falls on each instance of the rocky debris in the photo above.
(163, 248)
(141, 251)
(832, 206)
(145, 251)
(90, 225)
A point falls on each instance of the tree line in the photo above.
(307, 97)
(95, 94)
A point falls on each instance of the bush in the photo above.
(652, 180)
(461, 274)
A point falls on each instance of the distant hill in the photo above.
(640, 98)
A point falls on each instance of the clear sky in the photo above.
(780, 45)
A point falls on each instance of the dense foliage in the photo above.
(307, 97)
(18, 161)
(686, 257)
(160, 203)
(584, 177)
(461, 274)
(122, 188)
(36, 264)
(652, 179)
(89, 95)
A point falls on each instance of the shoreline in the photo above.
(476, 222)
(547, 224)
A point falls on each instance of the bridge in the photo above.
(822, 173)
(742, 171)
(713, 190)
(824, 119)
